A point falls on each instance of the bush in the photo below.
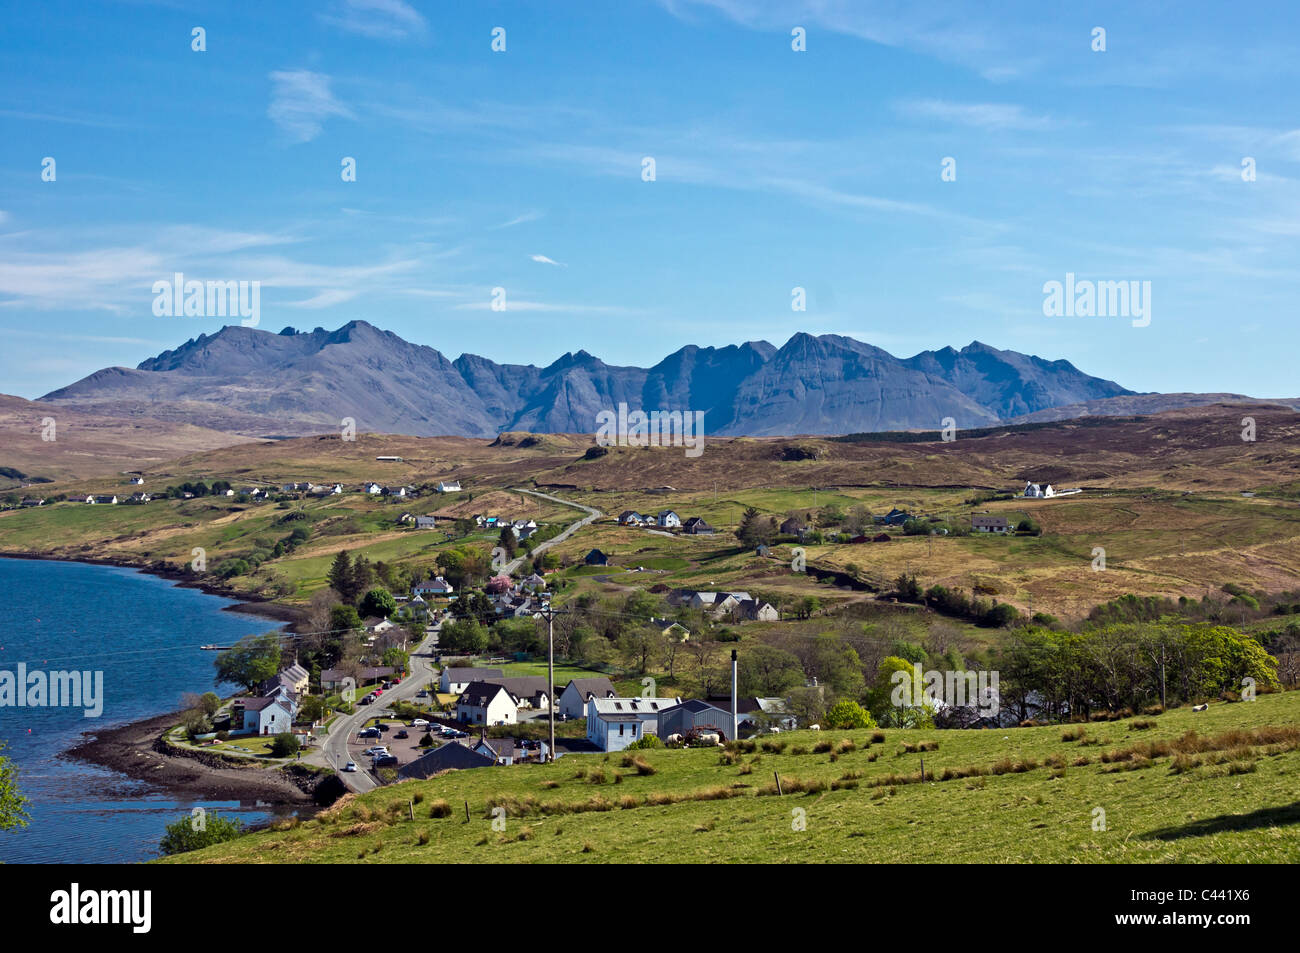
(284, 745)
(847, 713)
(193, 832)
(646, 742)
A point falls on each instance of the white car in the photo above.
(420, 723)
(350, 766)
(375, 751)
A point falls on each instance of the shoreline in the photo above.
(134, 750)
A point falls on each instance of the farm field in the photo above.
(1027, 797)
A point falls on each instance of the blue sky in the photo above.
(774, 169)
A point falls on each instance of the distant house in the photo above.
(694, 713)
(990, 524)
(333, 679)
(137, 481)
(102, 500)
(33, 501)
(377, 625)
(140, 497)
(389, 459)
(764, 712)
(486, 703)
(793, 527)
(668, 627)
(450, 757)
(614, 723)
(1039, 490)
(528, 691)
(295, 679)
(762, 549)
(398, 491)
(697, 527)
(425, 522)
(573, 700)
(631, 518)
(596, 558)
(533, 582)
(449, 486)
(753, 610)
(453, 681)
(265, 715)
(374, 489)
(667, 519)
(433, 587)
(881, 538)
(894, 517)
(509, 751)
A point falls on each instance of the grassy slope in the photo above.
(1153, 815)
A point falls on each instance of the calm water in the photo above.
(144, 634)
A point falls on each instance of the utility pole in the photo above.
(550, 672)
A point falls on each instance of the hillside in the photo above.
(1183, 787)
(295, 383)
(87, 445)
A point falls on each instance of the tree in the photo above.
(251, 661)
(12, 802)
(340, 577)
(312, 708)
(755, 529)
(284, 745)
(466, 636)
(847, 713)
(344, 618)
(767, 671)
(194, 832)
(378, 601)
(640, 647)
(508, 541)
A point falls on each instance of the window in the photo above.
(620, 729)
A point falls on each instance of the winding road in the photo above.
(592, 515)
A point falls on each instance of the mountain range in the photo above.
(262, 383)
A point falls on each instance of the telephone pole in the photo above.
(550, 615)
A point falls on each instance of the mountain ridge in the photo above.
(266, 383)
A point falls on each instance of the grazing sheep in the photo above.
(673, 739)
(814, 727)
(1201, 707)
(710, 738)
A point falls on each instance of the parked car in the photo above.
(383, 726)
(420, 723)
(387, 685)
(402, 734)
(368, 733)
(350, 766)
(374, 750)
(385, 761)
(367, 700)
(422, 694)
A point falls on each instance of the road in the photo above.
(345, 727)
(592, 514)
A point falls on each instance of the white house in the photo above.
(990, 524)
(453, 681)
(486, 703)
(137, 481)
(433, 587)
(267, 715)
(1039, 490)
(667, 519)
(109, 500)
(579, 691)
(374, 489)
(449, 486)
(614, 723)
(425, 522)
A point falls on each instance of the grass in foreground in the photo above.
(1228, 793)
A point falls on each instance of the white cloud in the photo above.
(379, 19)
(301, 101)
(980, 115)
(543, 260)
(519, 220)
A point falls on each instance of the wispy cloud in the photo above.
(301, 101)
(379, 19)
(519, 220)
(543, 260)
(979, 115)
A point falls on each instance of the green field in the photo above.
(1028, 795)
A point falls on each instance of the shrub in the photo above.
(439, 808)
(182, 835)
